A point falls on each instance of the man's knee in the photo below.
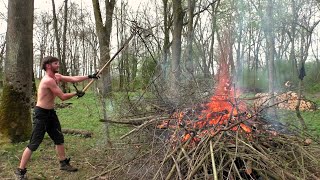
(34, 146)
(58, 139)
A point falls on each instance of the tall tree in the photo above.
(270, 52)
(63, 69)
(103, 30)
(64, 38)
(166, 42)
(56, 30)
(306, 38)
(292, 37)
(121, 28)
(104, 35)
(15, 108)
(175, 71)
(190, 34)
(239, 60)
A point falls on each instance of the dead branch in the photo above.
(134, 122)
(146, 123)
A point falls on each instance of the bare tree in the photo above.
(104, 34)
(56, 30)
(167, 22)
(175, 69)
(190, 37)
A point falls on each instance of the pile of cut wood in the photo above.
(286, 100)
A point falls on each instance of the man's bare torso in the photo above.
(45, 97)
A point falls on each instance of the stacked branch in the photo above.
(232, 155)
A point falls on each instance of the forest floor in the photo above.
(91, 155)
(94, 155)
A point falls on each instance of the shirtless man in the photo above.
(44, 116)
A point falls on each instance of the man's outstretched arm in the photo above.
(74, 79)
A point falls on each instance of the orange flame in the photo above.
(224, 111)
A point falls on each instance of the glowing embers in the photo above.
(222, 113)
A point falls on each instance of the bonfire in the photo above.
(224, 138)
(227, 139)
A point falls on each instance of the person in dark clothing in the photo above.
(45, 118)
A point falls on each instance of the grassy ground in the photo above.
(312, 118)
(88, 154)
(92, 155)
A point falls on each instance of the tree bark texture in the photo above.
(190, 34)
(166, 42)
(104, 35)
(57, 37)
(15, 108)
(270, 45)
(176, 49)
(56, 32)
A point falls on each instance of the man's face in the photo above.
(55, 66)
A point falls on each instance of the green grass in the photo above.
(311, 118)
(84, 114)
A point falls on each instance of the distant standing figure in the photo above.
(45, 118)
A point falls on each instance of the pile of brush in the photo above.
(235, 155)
(176, 151)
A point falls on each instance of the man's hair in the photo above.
(48, 60)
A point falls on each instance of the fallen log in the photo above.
(84, 133)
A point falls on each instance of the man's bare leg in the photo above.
(61, 152)
(25, 158)
(64, 162)
(21, 171)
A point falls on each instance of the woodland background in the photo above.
(171, 61)
(175, 52)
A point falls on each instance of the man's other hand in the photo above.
(80, 93)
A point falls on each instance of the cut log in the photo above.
(84, 133)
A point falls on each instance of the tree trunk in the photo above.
(270, 45)
(104, 35)
(64, 38)
(190, 34)
(292, 35)
(214, 28)
(62, 57)
(56, 32)
(15, 108)
(176, 51)
(121, 39)
(239, 61)
(306, 39)
(166, 43)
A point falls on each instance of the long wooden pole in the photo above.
(108, 62)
